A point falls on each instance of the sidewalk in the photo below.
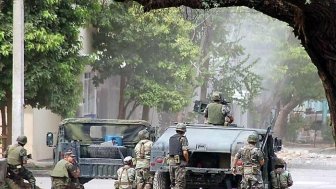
(308, 157)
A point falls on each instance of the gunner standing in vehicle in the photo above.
(252, 159)
(218, 111)
(178, 157)
(16, 157)
(144, 178)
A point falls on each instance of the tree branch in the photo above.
(283, 10)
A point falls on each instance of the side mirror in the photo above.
(277, 144)
(50, 139)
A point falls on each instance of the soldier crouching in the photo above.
(65, 174)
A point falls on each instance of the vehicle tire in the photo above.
(161, 180)
(103, 151)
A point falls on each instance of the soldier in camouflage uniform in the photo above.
(65, 174)
(144, 178)
(126, 175)
(16, 157)
(217, 113)
(252, 159)
(281, 178)
(178, 157)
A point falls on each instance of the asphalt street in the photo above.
(303, 179)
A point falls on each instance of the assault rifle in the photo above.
(268, 132)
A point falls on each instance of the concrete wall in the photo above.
(37, 123)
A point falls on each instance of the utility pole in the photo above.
(18, 69)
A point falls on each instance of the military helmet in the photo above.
(216, 96)
(181, 127)
(127, 160)
(22, 140)
(252, 138)
(280, 162)
(143, 134)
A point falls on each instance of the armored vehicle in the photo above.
(100, 145)
(212, 150)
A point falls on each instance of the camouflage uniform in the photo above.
(126, 177)
(63, 176)
(144, 178)
(251, 156)
(217, 113)
(281, 178)
(16, 156)
(177, 170)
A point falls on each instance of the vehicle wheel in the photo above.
(102, 151)
(161, 180)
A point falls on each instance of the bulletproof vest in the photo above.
(215, 115)
(13, 157)
(143, 149)
(60, 169)
(123, 179)
(175, 145)
(249, 156)
(281, 179)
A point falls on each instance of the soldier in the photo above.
(126, 175)
(65, 174)
(178, 157)
(16, 158)
(281, 178)
(252, 159)
(144, 179)
(218, 112)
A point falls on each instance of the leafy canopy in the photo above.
(52, 60)
(152, 50)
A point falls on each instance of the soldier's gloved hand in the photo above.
(29, 156)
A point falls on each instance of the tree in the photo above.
(151, 52)
(52, 60)
(223, 64)
(313, 22)
(299, 81)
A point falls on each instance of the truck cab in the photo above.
(99, 144)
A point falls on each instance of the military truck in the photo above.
(212, 150)
(99, 144)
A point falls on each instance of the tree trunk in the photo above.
(122, 108)
(204, 61)
(145, 113)
(3, 128)
(281, 121)
(9, 120)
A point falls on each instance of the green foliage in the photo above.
(296, 122)
(231, 69)
(297, 73)
(152, 50)
(52, 61)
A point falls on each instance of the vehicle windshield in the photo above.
(96, 133)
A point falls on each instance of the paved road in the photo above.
(45, 183)
(313, 178)
(303, 179)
